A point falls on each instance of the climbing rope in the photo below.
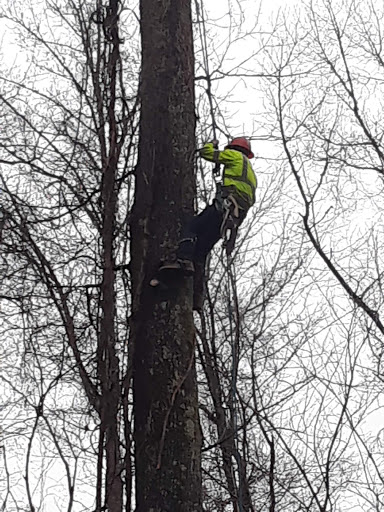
(204, 50)
(229, 225)
(232, 309)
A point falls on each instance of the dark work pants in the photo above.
(200, 234)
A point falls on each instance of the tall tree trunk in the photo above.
(108, 362)
(167, 430)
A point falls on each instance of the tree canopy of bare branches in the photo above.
(116, 397)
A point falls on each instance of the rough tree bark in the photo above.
(108, 363)
(167, 430)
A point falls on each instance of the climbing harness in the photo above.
(231, 223)
(234, 208)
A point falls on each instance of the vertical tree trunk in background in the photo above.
(108, 363)
(167, 431)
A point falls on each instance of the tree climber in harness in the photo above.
(235, 195)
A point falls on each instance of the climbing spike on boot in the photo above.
(185, 266)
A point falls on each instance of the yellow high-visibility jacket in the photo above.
(238, 174)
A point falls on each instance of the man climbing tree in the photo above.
(234, 197)
(167, 430)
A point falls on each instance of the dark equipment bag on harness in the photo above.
(234, 210)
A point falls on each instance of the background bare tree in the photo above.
(289, 351)
(319, 425)
(67, 153)
(326, 96)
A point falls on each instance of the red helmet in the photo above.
(244, 143)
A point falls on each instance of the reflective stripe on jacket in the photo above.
(237, 172)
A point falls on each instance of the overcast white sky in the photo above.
(244, 111)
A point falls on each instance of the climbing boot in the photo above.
(185, 266)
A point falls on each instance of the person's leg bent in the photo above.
(207, 227)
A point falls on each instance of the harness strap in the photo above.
(244, 177)
(231, 222)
